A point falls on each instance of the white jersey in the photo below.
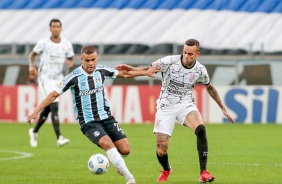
(178, 81)
(52, 57)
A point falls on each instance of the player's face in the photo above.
(89, 62)
(190, 54)
(55, 29)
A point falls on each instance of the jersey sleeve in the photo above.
(70, 52)
(108, 73)
(163, 63)
(204, 77)
(67, 82)
(39, 47)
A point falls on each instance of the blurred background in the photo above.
(241, 46)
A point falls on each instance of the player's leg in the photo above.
(195, 122)
(55, 118)
(56, 124)
(118, 136)
(98, 136)
(162, 141)
(164, 125)
(121, 142)
(33, 132)
(42, 118)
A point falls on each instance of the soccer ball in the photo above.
(98, 164)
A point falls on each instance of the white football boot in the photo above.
(131, 181)
(33, 138)
(62, 141)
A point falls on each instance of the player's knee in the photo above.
(44, 113)
(106, 145)
(124, 152)
(200, 130)
(162, 152)
(54, 107)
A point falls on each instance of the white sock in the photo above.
(117, 160)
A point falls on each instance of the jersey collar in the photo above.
(181, 57)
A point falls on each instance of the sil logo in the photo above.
(96, 133)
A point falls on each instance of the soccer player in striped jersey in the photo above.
(92, 109)
(55, 52)
(179, 75)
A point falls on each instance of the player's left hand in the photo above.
(69, 63)
(152, 71)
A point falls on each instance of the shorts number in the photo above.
(118, 127)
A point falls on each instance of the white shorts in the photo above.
(47, 86)
(165, 117)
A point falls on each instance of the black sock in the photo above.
(202, 146)
(42, 118)
(55, 118)
(164, 162)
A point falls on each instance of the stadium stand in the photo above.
(224, 27)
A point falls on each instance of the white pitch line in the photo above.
(248, 164)
(22, 155)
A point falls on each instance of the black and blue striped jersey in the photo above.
(88, 93)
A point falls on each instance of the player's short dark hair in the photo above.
(88, 49)
(55, 20)
(192, 42)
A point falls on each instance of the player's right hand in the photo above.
(31, 118)
(124, 67)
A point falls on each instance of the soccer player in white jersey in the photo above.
(92, 109)
(179, 75)
(55, 52)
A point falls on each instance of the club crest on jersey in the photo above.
(97, 80)
(192, 77)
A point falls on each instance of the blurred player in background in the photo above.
(179, 74)
(92, 109)
(55, 52)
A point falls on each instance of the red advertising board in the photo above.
(8, 103)
(129, 103)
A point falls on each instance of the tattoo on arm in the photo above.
(213, 93)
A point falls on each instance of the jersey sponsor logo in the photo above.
(176, 83)
(178, 89)
(89, 92)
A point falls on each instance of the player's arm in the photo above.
(130, 68)
(214, 94)
(47, 101)
(69, 62)
(135, 73)
(31, 58)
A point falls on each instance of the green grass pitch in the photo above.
(239, 154)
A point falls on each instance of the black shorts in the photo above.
(95, 130)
